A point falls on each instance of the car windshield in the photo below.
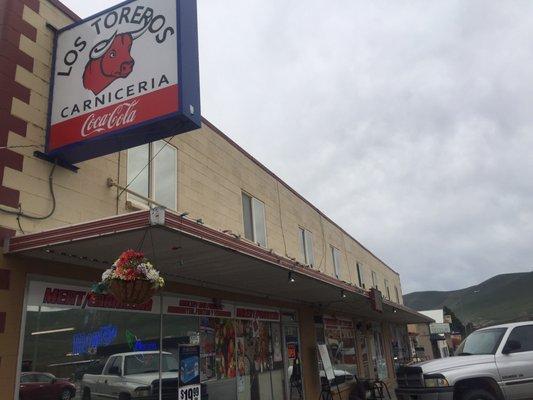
(481, 342)
(147, 363)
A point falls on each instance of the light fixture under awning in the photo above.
(189, 252)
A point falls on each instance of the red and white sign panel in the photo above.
(198, 307)
(118, 70)
(257, 314)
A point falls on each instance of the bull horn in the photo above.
(100, 48)
(140, 32)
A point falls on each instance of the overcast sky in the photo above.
(409, 123)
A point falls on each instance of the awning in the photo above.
(187, 251)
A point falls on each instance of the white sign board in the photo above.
(326, 362)
(189, 392)
(439, 328)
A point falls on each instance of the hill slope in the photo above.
(502, 298)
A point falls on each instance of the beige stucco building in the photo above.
(232, 231)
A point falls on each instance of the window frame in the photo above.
(358, 267)
(308, 254)
(254, 225)
(337, 265)
(138, 202)
(397, 293)
(375, 280)
(387, 288)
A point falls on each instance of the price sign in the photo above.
(189, 392)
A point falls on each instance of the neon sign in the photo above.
(89, 342)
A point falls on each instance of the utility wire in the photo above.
(143, 168)
(21, 213)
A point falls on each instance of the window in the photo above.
(43, 378)
(387, 289)
(359, 275)
(306, 246)
(374, 280)
(523, 335)
(336, 255)
(156, 180)
(253, 212)
(113, 361)
(397, 293)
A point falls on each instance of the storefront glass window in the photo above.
(339, 336)
(80, 338)
(378, 353)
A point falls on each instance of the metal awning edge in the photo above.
(139, 220)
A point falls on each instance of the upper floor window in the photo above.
(336, 255)
(359, 275)
(374, 280)
(387, 289)
(397, 293)
(156, 180)
(306, 246)
(253, 212)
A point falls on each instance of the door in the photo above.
(294, 376)
(516, 367)
(31, 388)
(101, 384)
(46, 386)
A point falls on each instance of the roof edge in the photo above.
(65, 10)
(288, 187)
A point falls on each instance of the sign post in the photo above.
(189, 379)
(123, 77)
(329, 372)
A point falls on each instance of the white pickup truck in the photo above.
(130, 376)
(494, 363)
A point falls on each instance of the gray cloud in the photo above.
(408, 122)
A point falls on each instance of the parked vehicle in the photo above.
(132, 376)
(44, 386)
(494, 363)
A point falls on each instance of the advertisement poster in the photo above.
(225, 366)
(189, 377)
(276, 342)
(207, 349)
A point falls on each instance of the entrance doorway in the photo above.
(294, 379)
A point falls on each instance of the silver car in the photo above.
(494, 363)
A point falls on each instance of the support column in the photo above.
(311, 379)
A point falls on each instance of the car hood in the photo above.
(444, 364)
(147, 379)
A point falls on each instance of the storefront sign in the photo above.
(189, 376)
(257, 314)
(337, 323)
(88, 343)
(65, 296)
(201, 308)
(123, 77)
(376, 300)
(436, 328)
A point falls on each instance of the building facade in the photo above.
(256, 275)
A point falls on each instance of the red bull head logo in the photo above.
(109, 60)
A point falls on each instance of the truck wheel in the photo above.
(86, 394)
(478, 394)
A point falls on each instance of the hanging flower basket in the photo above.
(132, 279)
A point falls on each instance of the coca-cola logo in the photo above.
(123, 114)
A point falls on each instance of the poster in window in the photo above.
(276, 342)
(225, 365)
(189, 375)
